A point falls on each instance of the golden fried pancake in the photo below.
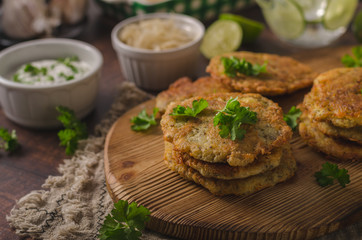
(244, 186)
(336, 97)
(284, 75)
(339, 148)
(224, 171)
(199, 138)
(352, 134)
(184, 88)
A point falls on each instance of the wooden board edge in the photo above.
(109, 176)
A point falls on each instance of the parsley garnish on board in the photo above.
(74, 130)
(233, 65)
(197, 107)
(9, 141)
(329, 173)
(232, 117)
(356, 61)
(143, 121)
(126, 221)
(292, 117)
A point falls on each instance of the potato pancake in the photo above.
(184, 88)
(336, 97)
(198, 137)
(283, 75)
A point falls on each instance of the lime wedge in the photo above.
(357, 26)
(339, 13)
(284, 17)
(251, 28)
(220, 37)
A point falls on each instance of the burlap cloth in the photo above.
(74, 204)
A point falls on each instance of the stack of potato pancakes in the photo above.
(199, 150)
(195, 150)
(331, 120)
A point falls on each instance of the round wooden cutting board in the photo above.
(296, 209)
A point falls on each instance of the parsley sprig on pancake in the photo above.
(284, 74)
(232, 117)
(234, 66)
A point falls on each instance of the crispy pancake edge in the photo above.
(340, 149)
(224, 171)
(244, 186)
(185, 88)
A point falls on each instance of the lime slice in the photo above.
(220, 37)
(313, 10)
(284, 17)
(357, 26)
(339, 13)
(251, 28)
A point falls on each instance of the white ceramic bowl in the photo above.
(156, 70)
(34, 106)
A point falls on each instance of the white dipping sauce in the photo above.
(50, 71)
(154, 34)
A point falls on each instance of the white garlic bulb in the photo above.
(69, 11)
(18, 17)
(24, 19)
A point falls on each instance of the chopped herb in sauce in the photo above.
(68, 62)
(51, 71)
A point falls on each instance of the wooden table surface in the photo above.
(41, 154)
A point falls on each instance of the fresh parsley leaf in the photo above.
(74, 131)
(233, 66)
(9, 141)
(232, 117)
(292, 117)
(126, 221)
(143, 121)
(329, 173)
(356, 61)
(197, 107)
